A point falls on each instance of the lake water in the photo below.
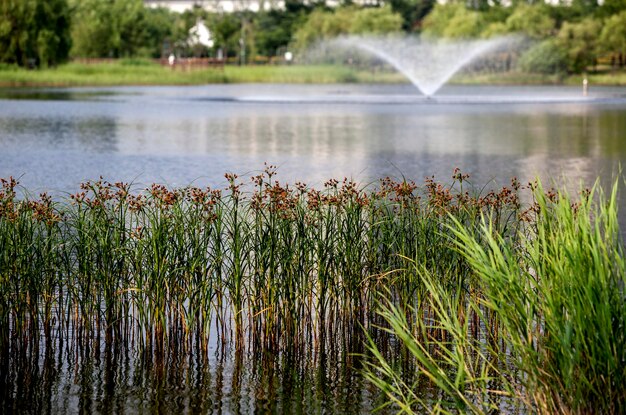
(55, 139)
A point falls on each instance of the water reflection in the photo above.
(89, 134)
(109, 377)
(169, 135)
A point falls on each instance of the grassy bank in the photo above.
(608, 78)
(145, 73)
(132, 72)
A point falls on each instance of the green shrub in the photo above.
(546, 57)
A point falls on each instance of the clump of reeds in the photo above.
(542, 328)
(265, 265)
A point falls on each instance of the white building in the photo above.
(199, 34)
(217, 5)
(235, 5)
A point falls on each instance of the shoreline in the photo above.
(133, 74)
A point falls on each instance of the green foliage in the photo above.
(274, 29)
(454, 20)
(119, 28)
(560, 300)
(579, 41)
(464, 24)
(227, 31)
(346, 20)
(34, 32)
(542, 325)
(546, 57)
(157, 29)
(531, 20)
(412, 12)
(494, 29)
(613, 35)
(375, 21)
(611, 7)
(438, 20)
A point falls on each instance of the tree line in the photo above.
(566, 37)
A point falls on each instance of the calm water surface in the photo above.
(55, 139)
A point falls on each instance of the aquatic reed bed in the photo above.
(543, 329)
(263, 265)
(460, 301)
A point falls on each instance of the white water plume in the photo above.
(427, 63)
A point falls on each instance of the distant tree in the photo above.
(322, 24)
(34, 32)
(375, 20)
(226, 28)
(119, 28)
(274, 29)
(439, 18)
(531, 20)
(454, 20)
(412, 12)
(579, 40)
(546, 57)
(611, 7)
(584, 7)
(314, 29)
(92, 29)
(130, 28)
(613, 37)
(464, 24)
(158, 28)
(494, 29)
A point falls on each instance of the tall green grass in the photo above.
(543, 329)
(469, 302)
(127, 72)
(263, 265)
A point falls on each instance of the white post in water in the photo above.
(585, 86)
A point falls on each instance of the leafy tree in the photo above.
(611, 7)
(129, 27)
(92, 29)
(375, 20)
(119, 28)
(412, 11)
(34, 32)
(158, 28)
(579, 41)
(613, 35)
(439, 18)
(464, 24)
(546, 57)
(454, 20)
(532, 20)
(494, 29)
(323, 24)
(226, 29)
(272, 32)
(274, 29)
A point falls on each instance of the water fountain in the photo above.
(427, 63)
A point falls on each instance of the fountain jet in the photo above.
(427, 63)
